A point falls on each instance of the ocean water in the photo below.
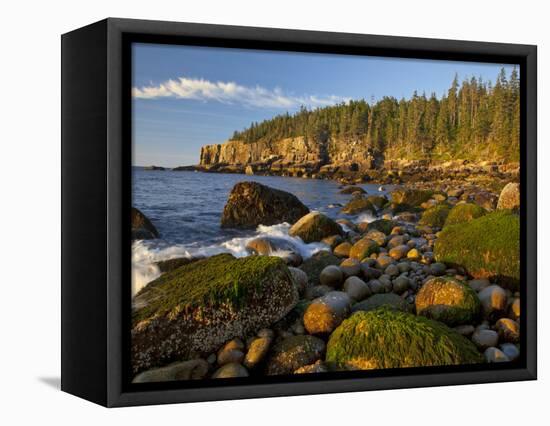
(186, 209)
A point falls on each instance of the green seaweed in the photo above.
(216, 280)
(391, 339)
(463, 213)
(435, 216)
(486, 247)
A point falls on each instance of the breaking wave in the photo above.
(146, 253)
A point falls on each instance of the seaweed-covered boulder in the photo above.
(251, 204)
(294, 352)
(316, 263)
(171, 264)
(448, 300)
(198, 307)
(388, 300)
(509, 197)
(464, 213)
(435, 216)
(486, 247)
(142, 228)
(358, 205)
(410, 196)
(392, 339)
(382, 225)
(314, 226)
(363, 248)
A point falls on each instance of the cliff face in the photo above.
(346, 160)
(288, 154)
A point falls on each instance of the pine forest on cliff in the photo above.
(475, 120)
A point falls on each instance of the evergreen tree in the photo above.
(473, 120)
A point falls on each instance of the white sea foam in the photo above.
(145, 253)
(366, 217)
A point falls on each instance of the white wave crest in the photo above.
(146, 253)
(366, 217)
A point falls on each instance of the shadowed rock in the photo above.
(251, 204)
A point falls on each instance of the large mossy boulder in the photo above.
(410, 196)
(509, 198)
(251, 204)
(486, 247)
(316, 263)
(435, 216)
(464, 213)
(314, 226)
(171, 264)
(196, 308)
(359, 205)
(386, 338)
(142, 228)
(448, 300)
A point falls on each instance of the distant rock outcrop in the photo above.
(291, 156)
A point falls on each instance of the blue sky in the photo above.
(185, 97)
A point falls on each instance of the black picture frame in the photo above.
(96, 175)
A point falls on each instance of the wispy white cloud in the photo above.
(231, 93)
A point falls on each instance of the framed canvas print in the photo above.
(252, 212)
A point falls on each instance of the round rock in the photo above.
(356, 289)
(510, 350)
(484, 339)
(495, 355)
(229, 371)
(493, 301)
(508, 330)
(257, 351)
(326, 313)
(331, 276)
(300, 279)
(342, 250)
(350, 267)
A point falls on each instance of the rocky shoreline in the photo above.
(433, 281)
(484, 176)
